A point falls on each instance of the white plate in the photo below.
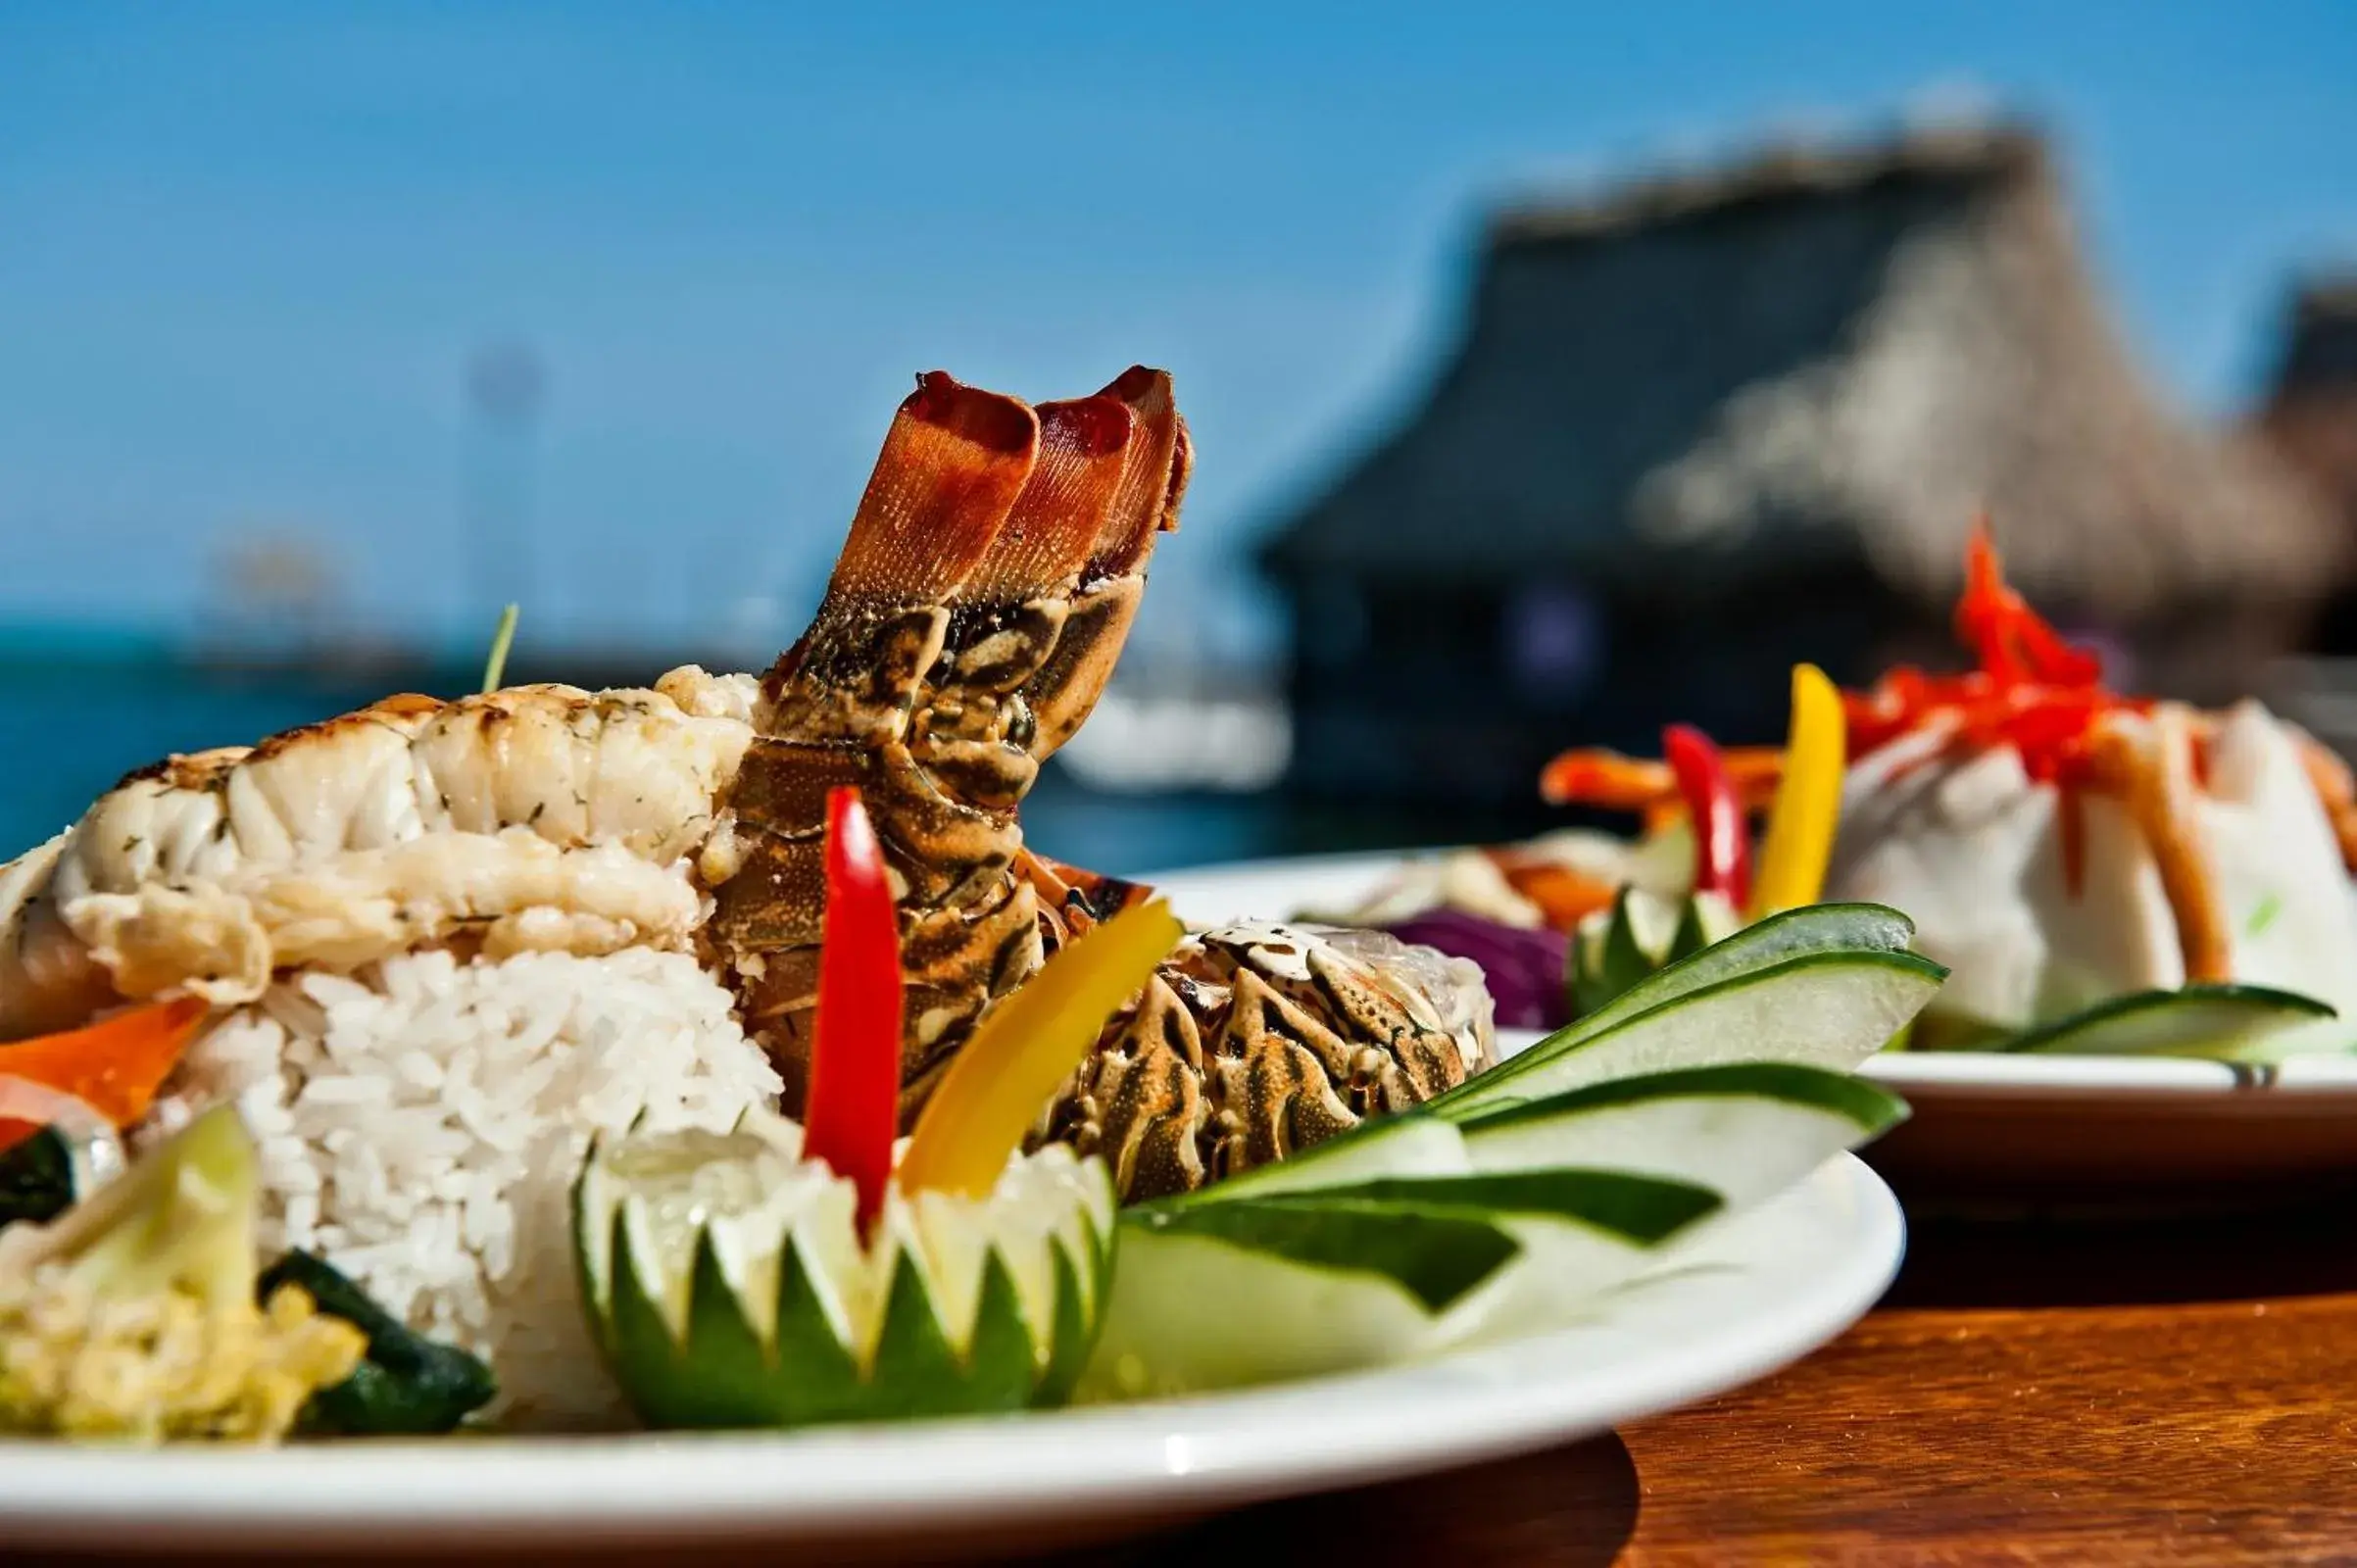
(2117, 1131)
(1754, 1293)
(1990, 1129)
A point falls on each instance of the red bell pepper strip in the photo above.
(2033, 690)
(2013, 642)
(1722, 835)
(853, 1105)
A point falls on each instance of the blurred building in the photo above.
(2310, 420)
(275, 609)
(273, 599)
(1712, 424)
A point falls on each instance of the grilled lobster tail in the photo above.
(1254, 1040)
(991, 576)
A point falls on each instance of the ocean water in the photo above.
(68, 733)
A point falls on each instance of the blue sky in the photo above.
(246, 250)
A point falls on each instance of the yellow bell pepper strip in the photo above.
(854, 1107)
(1722, 830)
(1027, 1048)
(1799, 841)
(114, 1065)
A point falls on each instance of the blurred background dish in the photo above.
(1992, 1134)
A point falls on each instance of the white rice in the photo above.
(421, 1124)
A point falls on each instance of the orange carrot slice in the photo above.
(1565, 894)
(114, 1065)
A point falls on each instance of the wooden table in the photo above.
(2180, 1392)
(2165, 1392)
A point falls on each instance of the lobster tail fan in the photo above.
(954, 462)
(1155, 483)
(1051, 529)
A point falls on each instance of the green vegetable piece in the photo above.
(2229, 1022)
(1873, 1108)
(495, 668)
(1610, 960)
(1642, 1209)
(697, 1352)
(1437, 1237)
(919, 1374)
(1692, 935)
(1619, 961)
(1436, 1256)
(1813, 929)
(1823, 1008)
(36, 1180)
(723, 1376)
(405, 1386)
(1075, 1328)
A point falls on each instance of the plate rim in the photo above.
(1178, 1456)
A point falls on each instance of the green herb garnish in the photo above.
(497, 665)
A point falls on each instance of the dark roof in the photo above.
(2319, 352)
(1845, 351)
(2311, 414)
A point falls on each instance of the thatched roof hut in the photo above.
(1873, 343)
(2311, 413)
(2310, 421)
(1803, 375)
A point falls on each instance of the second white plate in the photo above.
(1990, 1128)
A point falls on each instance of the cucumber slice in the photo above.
(1505, 1204)
(1434, 1257)
(2229, 1022)
(1830, 1009)
(1372, 1272)
(727, 1284)
(1748, 1130)
(1645, 1209)
(1559, 1199)
(1194, 1308)
(1817, 928)
(1607, 959)
(1410, 1143)
(1641, 934)
(1648, 1124)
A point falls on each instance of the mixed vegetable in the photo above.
(134, 1316)
(2106, 872)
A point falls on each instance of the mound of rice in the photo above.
(421, 1124)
